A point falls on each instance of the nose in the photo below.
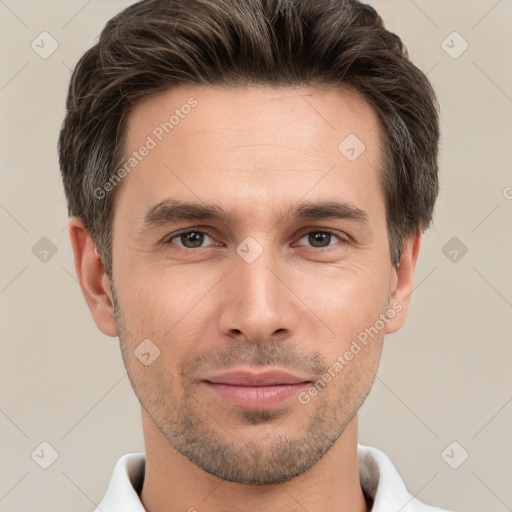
(257, 302)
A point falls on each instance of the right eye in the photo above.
(189, 239)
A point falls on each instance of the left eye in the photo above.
(320, 239)
(194, 239)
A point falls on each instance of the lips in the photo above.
(251, 379)
(247, 389)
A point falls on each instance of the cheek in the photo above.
(350, 306)
(172, 308)
(159, 297)
(346, 300)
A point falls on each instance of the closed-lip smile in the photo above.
(256, 390)
(247, 378)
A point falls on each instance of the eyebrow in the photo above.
(172, 210)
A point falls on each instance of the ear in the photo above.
(403, 281)
(93, 280)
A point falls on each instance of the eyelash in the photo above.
(168, 241)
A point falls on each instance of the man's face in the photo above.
(263, 289)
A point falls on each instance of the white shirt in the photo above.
(379, 480)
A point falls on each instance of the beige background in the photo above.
(446, 376)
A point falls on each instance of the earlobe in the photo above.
(91, 275)
(403, 279)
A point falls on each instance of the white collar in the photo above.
(379, 480)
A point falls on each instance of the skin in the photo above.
(257, 153)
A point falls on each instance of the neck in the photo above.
(172, 483)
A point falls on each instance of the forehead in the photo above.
(295, 115)
(247, 147)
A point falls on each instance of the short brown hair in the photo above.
(155, 45)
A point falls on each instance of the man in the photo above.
(248, 182)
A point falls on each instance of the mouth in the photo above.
(250, 390)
